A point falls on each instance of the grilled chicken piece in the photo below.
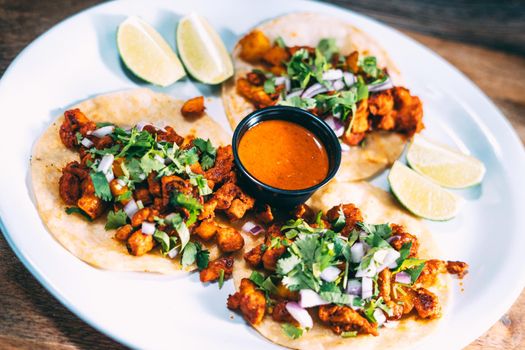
(250, 300)
(426, 304)
(213, 271)
(206, 230)
(229, 239)
(434, 267)
(280, 314)
(220, 172)
(254, 256)
(154, 185)
(276, 56)
(144, 214)
(240, 206)
(264, 214)
(253, 93)
(409, 112)
(360, 121)
(74, 121)
(272, 254)
(123, 232)
(139, 243)
(69, 188)
(193, 107)
(141, 194)
(253, 46)
(401, 237)
(172, 184)
(91, 205)
(342, 318)
(352, 217)
(303, 211)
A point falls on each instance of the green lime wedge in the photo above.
(444, 165)
(147, 54)
(202, 50)
(421, 196)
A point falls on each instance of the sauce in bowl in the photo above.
(283, 155)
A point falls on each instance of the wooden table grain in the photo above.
(490, 53)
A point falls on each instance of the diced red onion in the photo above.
(348, 78)
(87, 142)
(148, 228)
(140, 125)
(332, 74)
(131, 208)
(380, 317)
(109, 176)
(345, 147)
(357, 252)
(140, 205)
(159, 158)
(105, 163)
(313, 90)
(338, 85)
(336, 125)
(309, 298)
(295, 93)
(390, 258)
(354, 287)
(121, 182)
(330, 273)
(403, 277)
(370, 271)
(387, 84)
(252, 227)
(299, 314)
(287, 84)
(367, 288)
(173, 253)
(279, 80)
(103, 131)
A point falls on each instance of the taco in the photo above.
(361, 275)
(121, 189)
(334, 70)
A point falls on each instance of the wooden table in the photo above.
(494, 59)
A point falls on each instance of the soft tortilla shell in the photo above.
(377, 207)
(380, 149)
(89, 241)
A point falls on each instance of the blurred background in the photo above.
(485, 39)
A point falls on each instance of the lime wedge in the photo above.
(444, 165)
(421, 196)
(147, 54)
(202, 50)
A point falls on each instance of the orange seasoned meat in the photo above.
(208, 210)
(353, 139)
(352, 216)
(225, 195)
(255, 94)
(77, 169)
(255, 78)
(276, 56)
(206, 230)
(253, 46)
(271, 255)
(213, 271)
(229, 239)
(74, 121)
(341, 318)
(154, 184)
(103, 142)
(141, 194)
(352, 62)
(123, 232)
(381, 106)
(250, 300)
(458, 268)
(264, 214)
(409, 112)
(172, 184)
(117, 189)
(144, 214)
(139, 243)
(193, 107)
(303, 211)
(426, 304)
(429, 274)
(384, 284)
(401, 237)
(280, 314)
(254, 256)
(240, 206)
(359, 120)
(69, 188)
(220, 172)
(91, 205)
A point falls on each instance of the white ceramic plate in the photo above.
(78, 59)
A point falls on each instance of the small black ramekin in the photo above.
(274, 196)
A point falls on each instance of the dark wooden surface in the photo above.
(484, 39)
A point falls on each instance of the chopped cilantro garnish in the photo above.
(280, 42)
(188, 202)
(77, 210)
(195, 253)
(101, 185)
(369, 66)
(269, 86)
(221, 278)
(79, 137)
(296, 101)
(292, 331)
(208, 152)
(116, 219)
(167, 242)
(103, 124)
(149, 163)
(124, 196)
(340, 222)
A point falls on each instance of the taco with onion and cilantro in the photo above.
(362, 274)
(337, 72)
(126, 182)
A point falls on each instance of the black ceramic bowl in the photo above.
(274, 196)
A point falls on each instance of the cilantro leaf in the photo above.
(285, 265)
(269, 86)
(149, 163)
(203, 257)
(189, 255)
(297, 101)
(102, 152)
(327, 47)
(189, 157)
(116, 219)
(280, 42)
(404, 252)
(188, 202)
(101, 185)
(77, 210)
(124, 196)
(292, 331)
(208, 152)
(340, 222)
(164, 240)
(369, 66)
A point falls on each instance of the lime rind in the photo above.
(444, 165)
(421, 196)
